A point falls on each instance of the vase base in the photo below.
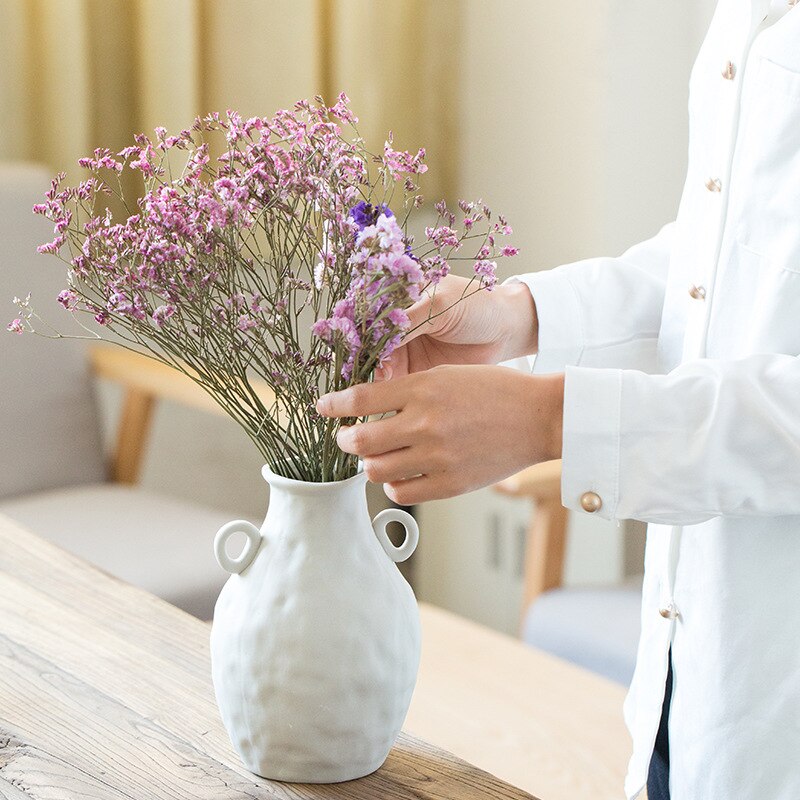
(296, 774)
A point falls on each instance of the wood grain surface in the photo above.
(105, 692)
(534, 720)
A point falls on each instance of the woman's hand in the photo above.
(485, 328)
(457, 428)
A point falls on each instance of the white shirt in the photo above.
(682, 408)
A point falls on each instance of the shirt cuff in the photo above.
(561, 339)
(591, 441)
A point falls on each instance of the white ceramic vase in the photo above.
(316, 640)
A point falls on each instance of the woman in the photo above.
(668, 380)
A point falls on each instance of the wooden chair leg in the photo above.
(137, 413)
(544, 551)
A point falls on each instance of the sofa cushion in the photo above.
(49, 427)
(159, 543)
(597, 628)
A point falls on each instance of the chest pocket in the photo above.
(765, 185)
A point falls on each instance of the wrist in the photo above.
(519, 313)
(556, 415)
(542, 414)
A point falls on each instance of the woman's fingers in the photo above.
(398, 465)
(407, 492)
(376, 437)
(365, 399)
(396, 366)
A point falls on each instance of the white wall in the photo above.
(573, 118)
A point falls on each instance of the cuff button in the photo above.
(591, 502)
(669, 612)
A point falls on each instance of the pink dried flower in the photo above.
(16, 326)
(443, 236)
(322, 329)
(162, 314)
(487, 272)
(54, 246)
(103, 159)
(401, 162)
(342, 110)
(246, 323)
(436, 268)
(68, 298)
(389, 234)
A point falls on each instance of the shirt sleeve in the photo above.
(601, 312)
(711, 438)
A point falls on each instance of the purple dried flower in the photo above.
(365, 214)
(399, 318)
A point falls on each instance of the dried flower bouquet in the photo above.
(281, 260)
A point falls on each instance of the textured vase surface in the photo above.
(316, 640)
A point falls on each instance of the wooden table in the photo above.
(540, 723)
(105, 692)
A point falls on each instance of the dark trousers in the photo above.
(658, 776)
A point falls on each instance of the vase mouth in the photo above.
(281, 482)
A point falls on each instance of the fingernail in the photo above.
(321, 404)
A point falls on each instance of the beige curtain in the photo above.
(79, 74)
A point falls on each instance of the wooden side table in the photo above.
(105, 692)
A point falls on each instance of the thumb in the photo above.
(396, 366)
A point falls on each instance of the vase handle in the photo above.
(245, 558)
(412, 533)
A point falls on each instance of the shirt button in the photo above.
(669, 612)
(729, 72)
(591, 502)
(714, 185)
(697, 292)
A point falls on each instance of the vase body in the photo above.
(315, 642)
